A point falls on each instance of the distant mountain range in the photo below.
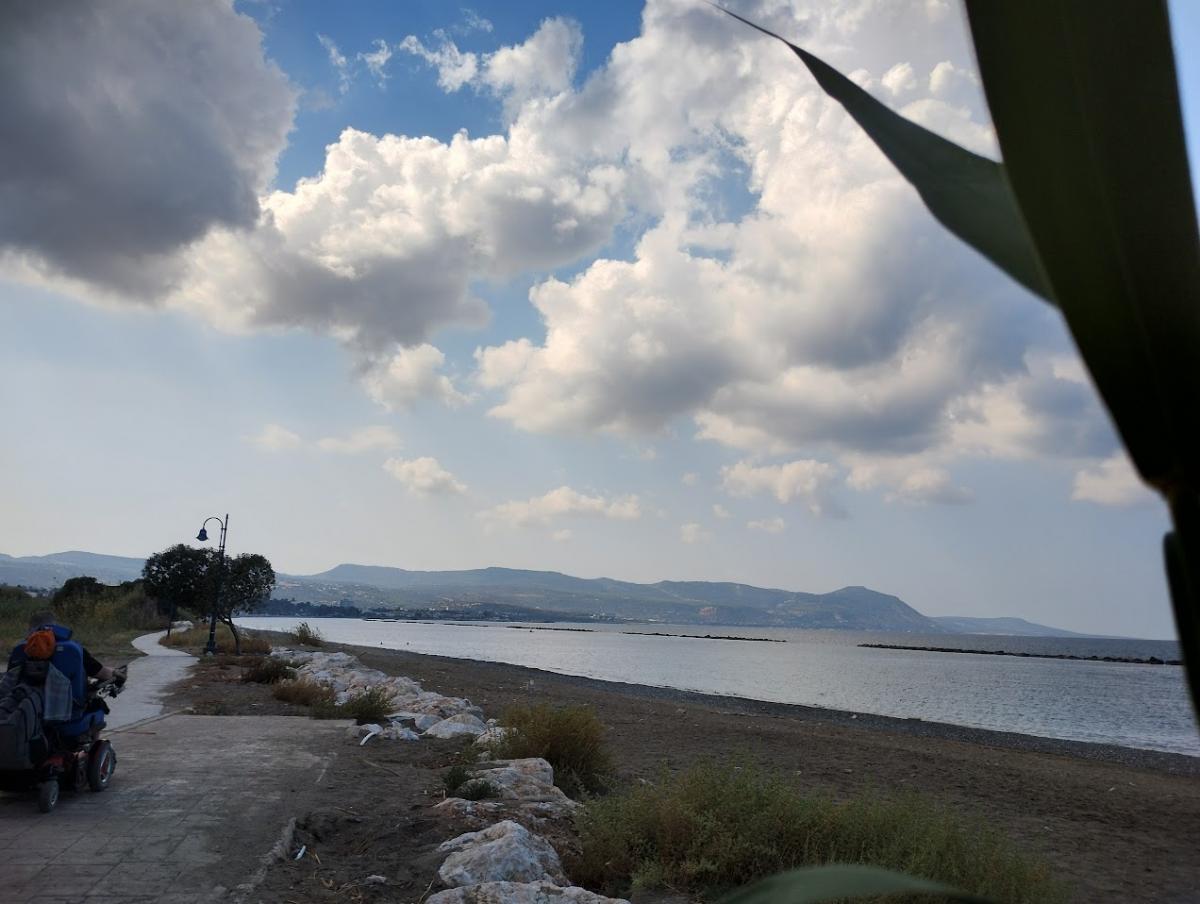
(515, 593)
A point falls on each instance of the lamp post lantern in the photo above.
(211, 648)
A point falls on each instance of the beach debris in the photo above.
(504, 852)
(375, 880)
(371, 731)
(520, 893)
(493, 734)
(300, 853)
(419, 721)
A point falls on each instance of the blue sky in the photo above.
(645, 320)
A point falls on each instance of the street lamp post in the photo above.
(212, 622)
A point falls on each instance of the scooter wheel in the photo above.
(102, 762)
(48, 795)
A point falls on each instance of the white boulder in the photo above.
(528, 780)
(455, 726)
(504, 852)
(520, 893)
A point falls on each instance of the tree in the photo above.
(180, 578)
(196, 580)
(245, 587)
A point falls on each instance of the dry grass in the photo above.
(308, 636)
(303, 692)
(372, 705)
(569, 738)
(717, 827)
(269, 670)
(195, 639)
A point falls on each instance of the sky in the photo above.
(610, 289)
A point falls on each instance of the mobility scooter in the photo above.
(65, 751)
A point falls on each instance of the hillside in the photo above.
(1010, 627)
(699, 602)
(558, 596)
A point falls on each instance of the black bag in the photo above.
(22, 743)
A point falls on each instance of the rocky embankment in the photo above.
(512, 853)
(1151, 660)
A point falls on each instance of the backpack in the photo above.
(22, 743)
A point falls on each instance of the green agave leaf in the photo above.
(1086, 108)
(967, 193)
(833, 883)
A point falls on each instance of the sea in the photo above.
(1131, 705)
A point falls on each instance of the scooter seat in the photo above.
(82, 725)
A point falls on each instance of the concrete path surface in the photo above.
(149, 678)
(195, 804)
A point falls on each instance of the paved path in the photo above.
(149, 677)
(195, 804)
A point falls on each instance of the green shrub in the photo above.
(478, 789)
(456, 776)
(372, 705)
(713, 827)
(459, 783)
(269, 670)
(570, 738)
(308, 636)
(103, 616)
(304, 692)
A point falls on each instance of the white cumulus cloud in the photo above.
(276, 438)
(424, 476)
(1112, 482)
(559, 503)
(365, 439)
(768, 525)
(808, 481)
(409, 375)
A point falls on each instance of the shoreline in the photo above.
(1117, 823)
(1136, 757)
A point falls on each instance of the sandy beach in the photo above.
(1119, 824)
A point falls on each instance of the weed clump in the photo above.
(269, 670)
(456, 776)
(459, 783)
(308, 636)
(304, 692)
(372, 705)
(478, 789)
(713, 827)
(569, 738)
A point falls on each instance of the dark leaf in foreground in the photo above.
(1086, 107)
(968, 194)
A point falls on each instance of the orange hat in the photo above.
(40, 644)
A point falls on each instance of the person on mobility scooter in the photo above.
(51, 715)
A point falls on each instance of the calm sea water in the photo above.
(1113, 703)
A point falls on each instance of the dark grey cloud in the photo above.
(128, 129)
